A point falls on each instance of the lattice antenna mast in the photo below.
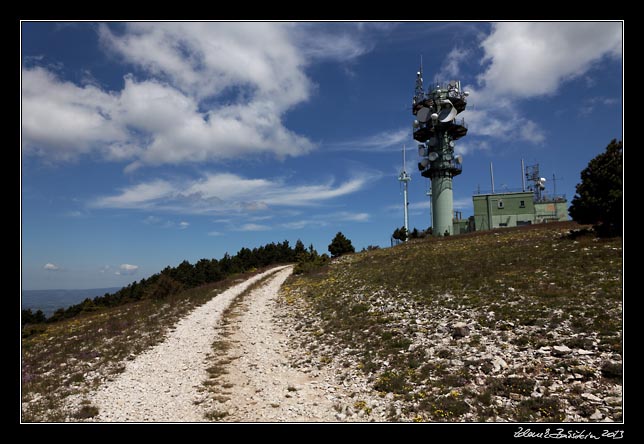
(437, 128)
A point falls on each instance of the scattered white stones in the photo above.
(460, 330)
(561, 350)
(159, 384)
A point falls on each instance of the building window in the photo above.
(500, 204)
(522, 204)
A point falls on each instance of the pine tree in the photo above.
(599, 195)
(340, 245)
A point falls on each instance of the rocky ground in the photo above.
(162, 384)
(530, 334)
(525, 354)
(255, 378)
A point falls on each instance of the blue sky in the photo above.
(144, 144)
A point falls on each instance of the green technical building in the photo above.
(503, 210)
(516, 208)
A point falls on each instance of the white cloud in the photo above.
(351, 217)
(316, 42)
(215, 233)
(126, 269)
(523, 60)
(139, 196)
(183, 225)
(152, 220)
(51, 267)
(589, 105)
(385, 141)
(300, 224)
(468, 146)
(61, 120)
(451, 66)
(326, 219)
(211, 91)
(528, 59)
(226, 192)
(253, 227)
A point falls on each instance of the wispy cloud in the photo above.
(589, 105)
(327, 219)
(385, 141)
(51, 267)
(253, 227)
(183, 225)
(226, 192)
(451, 68)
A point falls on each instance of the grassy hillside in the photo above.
(519, 324)
(73, 356)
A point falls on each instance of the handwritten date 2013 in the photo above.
(568, 434)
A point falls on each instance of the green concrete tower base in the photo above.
(443, 204)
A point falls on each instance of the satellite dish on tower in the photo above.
(423, 114)
(423, 164)
(433, 156)
(432, 141)
(447, 112)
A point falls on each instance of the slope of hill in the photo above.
(518, 324)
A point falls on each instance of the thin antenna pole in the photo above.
(523, 175)
(492, 176)
(405, 194)
(403, 158)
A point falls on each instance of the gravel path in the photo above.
(262, 385)
(163, 383)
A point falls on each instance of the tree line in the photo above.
(172, 280)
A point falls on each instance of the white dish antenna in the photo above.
(447, 112)
(433, 156)
(422, 151)
(423, 163)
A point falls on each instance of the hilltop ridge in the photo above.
(519, 324)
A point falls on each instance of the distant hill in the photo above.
(51, 300)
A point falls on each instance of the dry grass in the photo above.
(521, 288)
(74, 356)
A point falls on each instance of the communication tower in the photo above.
(437, 128)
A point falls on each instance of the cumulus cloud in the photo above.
(51, 267)
(225, 192)
(524, 60)
(209, 92)
(533, 59)
(62, 121)
(126, 269)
